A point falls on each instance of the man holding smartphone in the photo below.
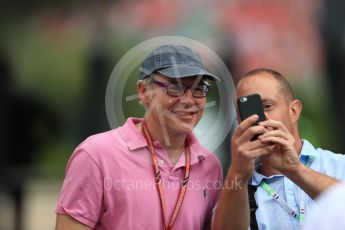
(291, 172)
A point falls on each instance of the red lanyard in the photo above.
(158, 178)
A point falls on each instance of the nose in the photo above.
(267, 115)
(187, 97)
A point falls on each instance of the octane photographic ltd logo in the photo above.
(219, 113)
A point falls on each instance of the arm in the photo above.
(66, 222)
(232, 210)
(285, 159)
(82, 191)
(312, 182)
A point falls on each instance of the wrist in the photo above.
(236, 179)
(295, 172)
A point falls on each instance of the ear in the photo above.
(144, 93)
(295, 110)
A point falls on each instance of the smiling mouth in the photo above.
(185, 115)
(182, 113)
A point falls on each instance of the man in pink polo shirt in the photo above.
(151, 173)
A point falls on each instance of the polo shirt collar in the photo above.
(135, 140)
(131, 135)
(257, 178)
(307, 152)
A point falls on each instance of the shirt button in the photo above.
(173, 178)
(161, 162)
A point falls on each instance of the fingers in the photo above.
(274, 139)
(257, 144)
(274, 124)
(252, 149)
(279, 135)
(260, 152)
(252, 131)
(243, 150)
(241, 141)
(247, 129)
(286, 145)
(245, 124)
(275, 133)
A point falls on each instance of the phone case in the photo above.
(249, 105)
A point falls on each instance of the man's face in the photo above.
(275, 105)
(179, 115)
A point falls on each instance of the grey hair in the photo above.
(147, 82)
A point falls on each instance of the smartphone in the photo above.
(249, 105)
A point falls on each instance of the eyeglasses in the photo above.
(177, 90)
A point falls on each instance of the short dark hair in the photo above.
(285, 85)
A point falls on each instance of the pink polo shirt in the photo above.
(109, 183)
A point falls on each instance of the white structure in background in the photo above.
(329, 214)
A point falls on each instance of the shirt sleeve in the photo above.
(82, 190)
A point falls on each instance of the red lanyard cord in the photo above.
(158, 178)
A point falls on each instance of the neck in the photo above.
(174, 144)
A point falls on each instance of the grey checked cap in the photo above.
(175, 62)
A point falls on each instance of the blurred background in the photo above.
(57, 56)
